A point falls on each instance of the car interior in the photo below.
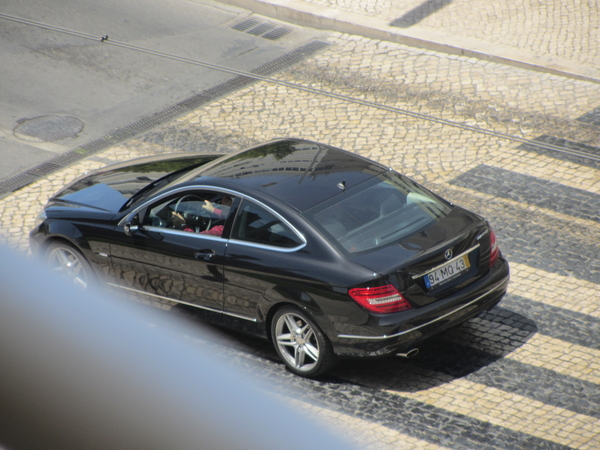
(192, 208)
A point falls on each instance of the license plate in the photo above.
(447, 272)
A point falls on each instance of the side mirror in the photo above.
(132, 224)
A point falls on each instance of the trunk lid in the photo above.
(436, 262)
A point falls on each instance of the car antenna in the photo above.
(342, 185)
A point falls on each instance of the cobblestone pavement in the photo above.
(524, 375)
(552, 28)
(549, 35)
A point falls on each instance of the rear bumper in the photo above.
(427, 321)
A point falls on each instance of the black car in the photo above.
(324, 252)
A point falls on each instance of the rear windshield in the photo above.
(384, 210)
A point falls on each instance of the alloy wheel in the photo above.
(297, 342)
(300, 343)
(69, 263)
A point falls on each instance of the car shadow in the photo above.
(453, 354)
(225, 338)
(456, 353)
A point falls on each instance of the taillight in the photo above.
(383, 299)
(494, 250)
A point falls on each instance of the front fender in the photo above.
(67, 231)
(52, 230)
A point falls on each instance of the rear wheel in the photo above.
(301, 345)
(67, 261)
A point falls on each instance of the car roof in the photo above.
(297, 172)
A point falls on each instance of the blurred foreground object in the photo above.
(81, 370)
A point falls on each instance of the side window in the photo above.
(198, 211)
(255, 224)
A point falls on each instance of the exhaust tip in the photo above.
(409, 354)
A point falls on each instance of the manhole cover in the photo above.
(48, 128)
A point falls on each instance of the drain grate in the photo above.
(260, 29)
(17, 182)
(147, 123)
(246, 24)
(43, 169)
(263, 29)
(276, 33)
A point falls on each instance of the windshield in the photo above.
(382, 211)
(120, 186)
(177, 167)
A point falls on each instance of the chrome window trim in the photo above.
(267, 247)
(175, 191)
(192, 234)
(224, 191)
(447, 262)
(378, 338)
(206, 308)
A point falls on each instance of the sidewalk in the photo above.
(554, 37)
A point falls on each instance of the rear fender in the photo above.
(280, 296)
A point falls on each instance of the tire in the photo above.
(67, 261)
(301, 345)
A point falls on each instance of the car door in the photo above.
(174, 252)
(262, 256)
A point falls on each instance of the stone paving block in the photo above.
(555, 290)
(504, 409)
(563, 357)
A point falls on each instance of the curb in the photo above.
(305, 14)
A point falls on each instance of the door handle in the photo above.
(206, 255)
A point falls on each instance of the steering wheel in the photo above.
(157, 221)
(176, 208)
(190, 196)
(207, 217)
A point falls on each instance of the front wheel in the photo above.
(70, 263)
(301, 345)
